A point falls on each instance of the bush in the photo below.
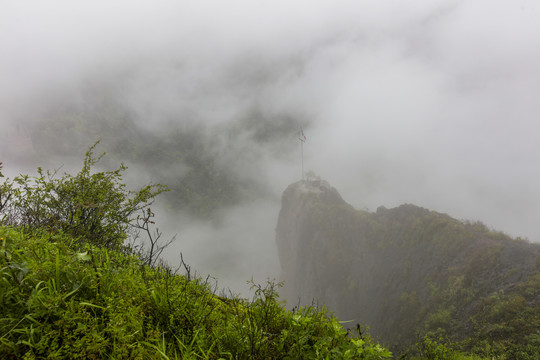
(92, 207)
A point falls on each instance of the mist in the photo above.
(433, 103)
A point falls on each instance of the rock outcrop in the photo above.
(405, 271)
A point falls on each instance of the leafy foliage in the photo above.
(93, 207)
(429, 349)
(96, 303)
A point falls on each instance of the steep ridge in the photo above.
(408, 271)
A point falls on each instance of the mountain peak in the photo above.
(405, 270)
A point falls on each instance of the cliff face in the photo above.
(406, 271)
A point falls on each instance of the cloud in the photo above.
(428, 102)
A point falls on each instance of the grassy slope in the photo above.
(90, 303)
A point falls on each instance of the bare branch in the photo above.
(151, 254)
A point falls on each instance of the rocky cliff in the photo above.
(407, 271)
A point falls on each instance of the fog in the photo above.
(433, 103)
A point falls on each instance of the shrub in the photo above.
(91, 206)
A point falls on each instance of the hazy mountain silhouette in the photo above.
(408, 271)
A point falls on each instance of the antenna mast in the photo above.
(302, 139)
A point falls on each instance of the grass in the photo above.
(60, 299)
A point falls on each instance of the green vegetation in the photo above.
(427, 348)
(94, 207)
(427, 285)
(70, 287)
(61, 301)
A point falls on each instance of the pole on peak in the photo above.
(302, 139)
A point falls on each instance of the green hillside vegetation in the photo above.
(88, 302)
(73, 287)
(410, 274)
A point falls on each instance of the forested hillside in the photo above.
(207, 168)
(409, 272)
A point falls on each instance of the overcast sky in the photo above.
(435, 103)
